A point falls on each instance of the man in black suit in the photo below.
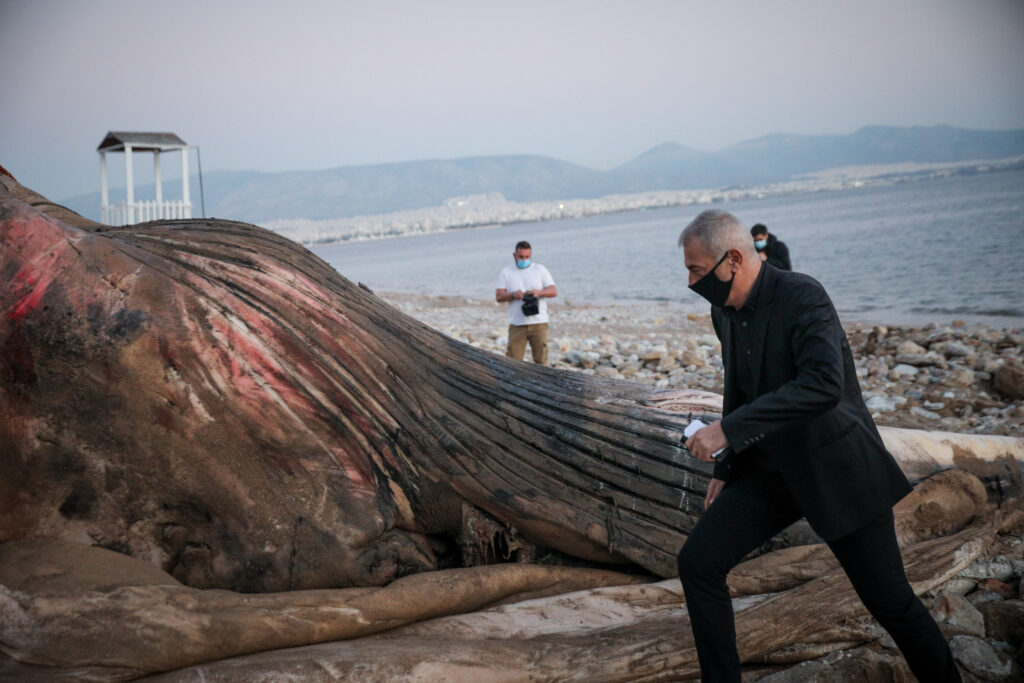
(770, 248)
(799, 442)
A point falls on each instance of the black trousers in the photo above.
(749, 512)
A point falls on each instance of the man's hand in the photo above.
(715, 487)
(518, 294)
(763, 255)
(707, 441)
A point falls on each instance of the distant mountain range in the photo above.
(355, 190)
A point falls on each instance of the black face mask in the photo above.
(711, 288)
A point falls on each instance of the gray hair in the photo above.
(717, 232)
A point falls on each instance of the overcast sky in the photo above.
(270, 85)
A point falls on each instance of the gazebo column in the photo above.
(104, 199)
(130, 185)
(187, 208)
(158, 181)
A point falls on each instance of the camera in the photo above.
(531, 305)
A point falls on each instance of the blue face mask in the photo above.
(524, 263)
(760, 244)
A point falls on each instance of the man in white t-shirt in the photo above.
(530, 284)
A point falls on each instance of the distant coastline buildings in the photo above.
(492, 208)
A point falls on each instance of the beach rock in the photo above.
(697, 356)
(909, 348)
(876, 368)
(650, 359)
(961, 377)
(1004, 621)
(1013, 523)
(981, 659)
(709, 340)
(902, 371)
(630, 368)
(938, 335)
(959, 586)
(952, 349)
(957, 615)
(606, 371)
(880, 404)
(923, 413)
(952, 424)
(1001, 588)
(1008, 380)
(921, 359)
(667, 364)
(989, 364)
(846, 666)
(981, 596)
(990, 335)
(985, 568)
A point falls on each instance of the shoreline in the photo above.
(849, 318)
(493, 209)
(946, 377)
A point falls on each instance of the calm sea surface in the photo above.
(933, 250)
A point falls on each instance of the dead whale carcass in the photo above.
(214, 398)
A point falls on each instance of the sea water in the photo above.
(908, 253)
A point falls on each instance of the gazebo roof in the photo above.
(140, 142)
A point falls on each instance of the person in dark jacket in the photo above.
(770, 248)
(798, 442)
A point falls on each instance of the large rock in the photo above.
(961, 377)
(903, 371)
(1004, 621)
(958, 615)
(953, 349)
(880, 404)
(1008, 380)
(910, 348)
(914, 354)
(983, 660)
(847, 666)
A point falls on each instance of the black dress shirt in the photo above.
(742, 323)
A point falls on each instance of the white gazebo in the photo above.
(131, 211)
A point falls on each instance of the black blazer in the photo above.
(808, 418)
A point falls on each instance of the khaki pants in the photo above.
(537, 335)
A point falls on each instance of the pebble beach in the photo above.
(952, 376)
